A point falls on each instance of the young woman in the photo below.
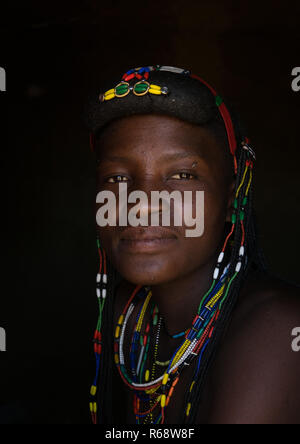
(191, 329)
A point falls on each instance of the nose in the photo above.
(149, 212)
(139, 193)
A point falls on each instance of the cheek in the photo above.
(214, 216)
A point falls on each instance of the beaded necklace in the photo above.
(157, 392)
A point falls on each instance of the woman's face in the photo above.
(160, 153)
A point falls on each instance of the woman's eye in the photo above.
(115, 179)
(182, 176)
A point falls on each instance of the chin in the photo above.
(147, 270)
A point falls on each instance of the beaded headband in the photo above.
(137, 82)
(142, 87)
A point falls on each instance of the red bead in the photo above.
(211, 332)
(129, 77)
(195, 319)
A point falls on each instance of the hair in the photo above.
(192, 101)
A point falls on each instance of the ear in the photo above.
(230, 200)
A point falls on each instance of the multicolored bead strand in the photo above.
(101, 291)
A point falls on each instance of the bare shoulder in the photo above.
(269, 304)
(257, 368)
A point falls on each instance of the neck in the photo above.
(178, 300)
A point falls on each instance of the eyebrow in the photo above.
(173, 156)
(181, 155)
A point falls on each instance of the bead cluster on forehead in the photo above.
(142, 86)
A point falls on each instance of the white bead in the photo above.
(238, 266)
(221, 255)
(103, 293)
(98, 278)
(98, 292)
(242, 250)
(104, 279)
(216, 273)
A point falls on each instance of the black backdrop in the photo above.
(54, 53)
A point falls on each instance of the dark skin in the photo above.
(254, 376)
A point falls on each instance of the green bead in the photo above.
(235, 203)
(233, 218)
(122, 89)
(244, 201)
(219, 100)
(200, 333)
(141, 87)
(155, 319)
(242, 214)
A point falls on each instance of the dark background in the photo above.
(54, 53)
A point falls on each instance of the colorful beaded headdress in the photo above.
(160, 89)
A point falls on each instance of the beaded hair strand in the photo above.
(245, 233)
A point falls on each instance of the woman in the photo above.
(191, 329)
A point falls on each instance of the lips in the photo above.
(151, 239)
(149, 233)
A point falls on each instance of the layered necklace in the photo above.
(153, 392)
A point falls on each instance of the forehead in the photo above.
(159, 133)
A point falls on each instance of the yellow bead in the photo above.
(91, 407)
(163, 400)
(110, 91)
(94, 407)
(109, 97)
(93, 390)
(192, 385)
(151, 391)
(165, 379)
(155, 87)
(121, 319)
(116, 358)
(188, 409)
(155, 91)
(117, 333)
(147, 374)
